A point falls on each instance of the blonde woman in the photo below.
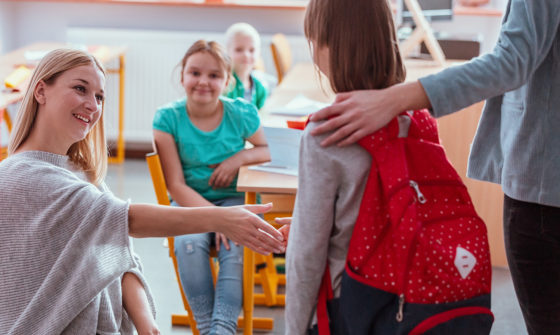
(65, 256)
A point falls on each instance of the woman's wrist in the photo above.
(218, 217)
(409, 96)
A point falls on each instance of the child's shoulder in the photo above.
(314, 141)
(175, 105)
(237, 105)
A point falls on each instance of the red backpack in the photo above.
(418, 260)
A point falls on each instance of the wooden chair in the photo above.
(5, 117)
(259, 65)
(282, 55)
(160, 188)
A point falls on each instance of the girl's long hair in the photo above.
(90, 154)
(362, 42)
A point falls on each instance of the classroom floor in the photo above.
(131, 180)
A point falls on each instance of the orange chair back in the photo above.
(282, 55)
(158, 179)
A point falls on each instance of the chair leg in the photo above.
(270, 279)
(267, 275)
(248, 287)
(214, 268)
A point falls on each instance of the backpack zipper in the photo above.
(402, 300)
(419, 195)
(441, 182)
(422, 200)
(401, 307)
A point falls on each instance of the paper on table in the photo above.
(283, 144)
(299, 106)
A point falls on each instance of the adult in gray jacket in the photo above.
(517, 143)
(66, 263)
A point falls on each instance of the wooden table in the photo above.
(105, 54)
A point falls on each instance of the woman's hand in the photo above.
(356, 114)
(242, 225)
(224, 173)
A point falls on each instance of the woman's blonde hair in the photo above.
(90, 154)
(363, 47)
(212, 48)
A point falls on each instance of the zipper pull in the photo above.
(419, 195)
(401, 307)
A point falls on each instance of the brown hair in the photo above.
(363, 47)
(214, 49)
(90, 153)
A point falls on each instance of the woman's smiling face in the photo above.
(73, 104)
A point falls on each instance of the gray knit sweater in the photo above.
(331, 185)
(64, 248)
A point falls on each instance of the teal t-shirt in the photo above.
(258, 93)
(198, 149)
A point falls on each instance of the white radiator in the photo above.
(152, 74)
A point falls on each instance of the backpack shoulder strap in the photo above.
(325, 294)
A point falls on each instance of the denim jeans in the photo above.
(532, 238)
(215, 309)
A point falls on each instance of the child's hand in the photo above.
(221, 238)
(224, 173)
(285, 229)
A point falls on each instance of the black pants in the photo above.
(532, 239)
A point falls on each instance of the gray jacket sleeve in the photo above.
(308, 242)
(331, 185)
(527, 34)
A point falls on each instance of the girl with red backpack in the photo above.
(384, 238)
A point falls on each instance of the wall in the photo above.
(38, 21)
(5, 26)
(488, 27)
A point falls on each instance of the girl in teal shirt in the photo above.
(201, 143)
